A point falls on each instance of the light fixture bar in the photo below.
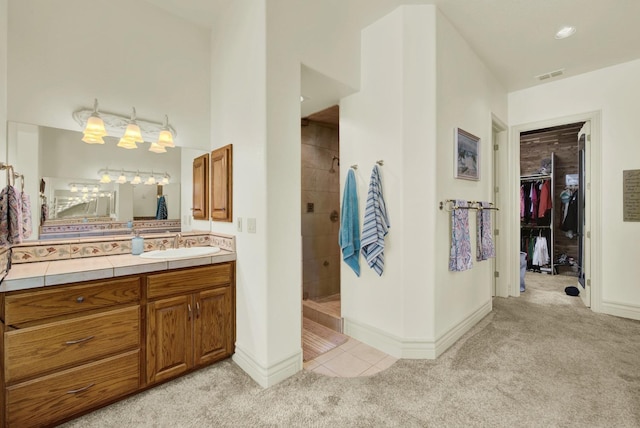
(125, 173)
(115, 124)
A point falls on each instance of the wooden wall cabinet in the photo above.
(200, 202)
(222, 184)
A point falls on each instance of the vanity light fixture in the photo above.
(133, 130)
(122, 179)
(85, 189)
(74, 188)
(157, 148)
(94, 130)
(105, 177)
(136, 179)
(149, 177)
(96, 189)
(165, 138)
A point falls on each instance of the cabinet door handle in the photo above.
(75, 391)
(189, 307)
(197, 309)
(73, 342)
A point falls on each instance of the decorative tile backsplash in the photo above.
(41, 251)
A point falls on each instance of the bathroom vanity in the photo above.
(71, 347)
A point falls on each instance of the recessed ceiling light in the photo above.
(565, 32)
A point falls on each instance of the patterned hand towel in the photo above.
(376, 224)
(484, 236)
(460, 256)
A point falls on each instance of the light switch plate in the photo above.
(251, 225)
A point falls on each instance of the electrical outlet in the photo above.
(239, 224)
(251, 225)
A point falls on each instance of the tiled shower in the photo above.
(320, 210)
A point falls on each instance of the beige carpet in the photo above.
(541, 360)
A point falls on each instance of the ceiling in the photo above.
(514, 38)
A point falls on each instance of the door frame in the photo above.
(500, 193)
(593, 194)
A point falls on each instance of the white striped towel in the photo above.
(376, 224)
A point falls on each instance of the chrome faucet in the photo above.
(176, 240)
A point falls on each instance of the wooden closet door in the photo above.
(201, 187)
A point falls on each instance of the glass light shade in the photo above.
(122, 179)
(74, 188)
(95, 126)
(165, 179)
(127, 143)
(85, 189)
(150, 180)
(105, 178)
(157, 148)
(95, 189)
(136, 179)
(92, 139)
(165, 138)
(102, 195)
(133, 133)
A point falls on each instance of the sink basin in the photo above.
(180, 253)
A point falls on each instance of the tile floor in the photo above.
(351, 359)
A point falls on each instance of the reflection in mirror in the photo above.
(71, 171)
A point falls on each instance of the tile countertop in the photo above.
(41, 274)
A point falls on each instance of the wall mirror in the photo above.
(67, 175)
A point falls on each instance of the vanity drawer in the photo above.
(40, 349)
(63, 300)
(187, 281)
(49, 399)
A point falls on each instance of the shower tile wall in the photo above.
(321, 188)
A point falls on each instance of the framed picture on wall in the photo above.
(467, 155)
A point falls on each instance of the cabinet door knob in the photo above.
(80, 299)
(197, 309)
(189, 308)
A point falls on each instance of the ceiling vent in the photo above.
(551, 74)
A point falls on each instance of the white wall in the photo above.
(63, 54)
(614, 91)
(420, 80)
(4, 24)
(467, 95)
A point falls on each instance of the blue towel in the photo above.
(376, 224)
(349, 237)
(161, 212)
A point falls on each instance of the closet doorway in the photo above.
(553, 205)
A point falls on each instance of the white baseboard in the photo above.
(268, 376)
(413, 348)
(620, 310)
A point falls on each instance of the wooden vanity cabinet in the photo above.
(190, 319)
(68, 349)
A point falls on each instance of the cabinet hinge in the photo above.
(497, 189)
(588, 137)
(496, 147)
(496, 274)
(588, 283)
(497, 232)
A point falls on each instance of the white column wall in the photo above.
(467, 95)
(238, 117)
(614, 91)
